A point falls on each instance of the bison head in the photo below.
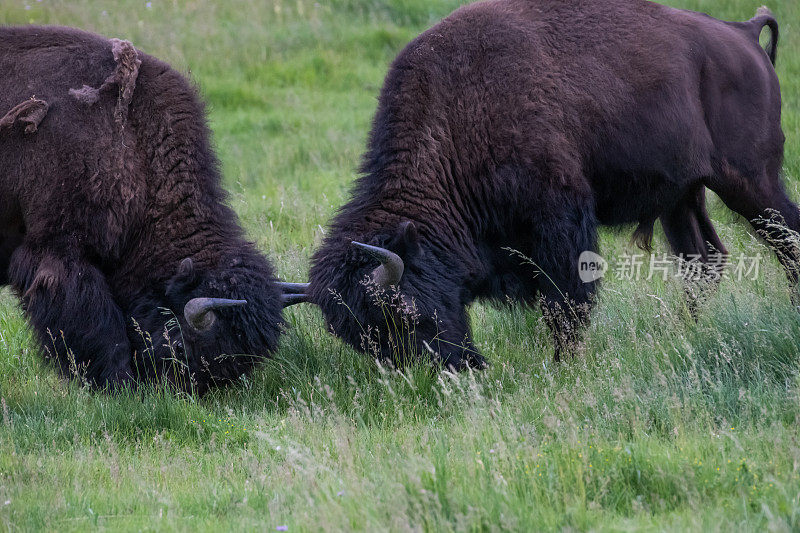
(394, 297)
(211, 326)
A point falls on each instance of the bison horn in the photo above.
(391, 269)
(293, 293)
(291, 299)
(199, 312)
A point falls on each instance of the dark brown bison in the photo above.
(516, 127)
(114, 230)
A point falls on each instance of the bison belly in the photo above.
(649, 156)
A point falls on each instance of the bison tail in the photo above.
(764, 17)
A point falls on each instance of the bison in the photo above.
(114, 230)
(514, 128)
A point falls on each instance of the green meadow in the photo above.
(663, 422)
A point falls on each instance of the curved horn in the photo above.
(293, 293)
(291, 299)
(292, 288)
(199, 312)
(391, 270)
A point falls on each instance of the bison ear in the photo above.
(185, 278)
(186, 267)
(186, 273)
(407, 239)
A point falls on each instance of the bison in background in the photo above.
(521, 125)
(114, 230)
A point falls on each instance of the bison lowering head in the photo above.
(514, 128)
(212, 325)
(393, 297)
(103, 196)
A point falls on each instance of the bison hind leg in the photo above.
(692, 237)
(760, 197)
(71, 309)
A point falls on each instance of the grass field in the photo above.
(663, 423)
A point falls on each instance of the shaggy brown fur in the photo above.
(522, 125)
(29, 113)
(107, 184)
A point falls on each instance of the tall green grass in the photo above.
(663, 422)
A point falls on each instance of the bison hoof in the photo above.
(477, 361)
(473, 360)
(119, 381)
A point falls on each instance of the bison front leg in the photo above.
(5, 259)
(73, 313)
(9, 241)
(566, 297)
